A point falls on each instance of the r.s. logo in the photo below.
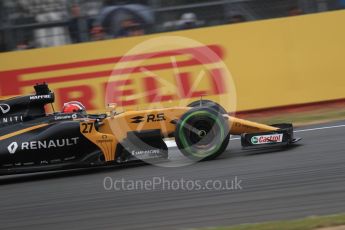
(155, 118)
(149, 118)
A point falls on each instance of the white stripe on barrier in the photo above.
(172, 143)
(321, 128)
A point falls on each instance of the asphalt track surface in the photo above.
(308, 179)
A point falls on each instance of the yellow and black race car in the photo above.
(31, 140)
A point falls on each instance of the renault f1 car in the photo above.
(32, 140)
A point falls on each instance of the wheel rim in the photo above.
(194, 141)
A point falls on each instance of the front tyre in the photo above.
(210, 104)
(202, 134)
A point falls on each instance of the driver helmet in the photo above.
(73, 107)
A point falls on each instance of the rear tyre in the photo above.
(210, 104)
(202, 134)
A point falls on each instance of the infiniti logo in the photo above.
(4, 108)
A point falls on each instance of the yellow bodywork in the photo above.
(114, 129)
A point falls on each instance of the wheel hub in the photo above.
(202, 133)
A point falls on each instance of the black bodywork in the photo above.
(30, 139)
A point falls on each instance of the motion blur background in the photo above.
(282, 54)
(27, 24)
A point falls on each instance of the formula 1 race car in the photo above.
(31, 140)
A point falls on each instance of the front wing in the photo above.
(283, 136)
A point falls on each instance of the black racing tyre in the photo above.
(202, 134)
(210, 104)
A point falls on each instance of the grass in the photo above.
(310, 223)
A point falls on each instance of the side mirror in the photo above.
(111, 108)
